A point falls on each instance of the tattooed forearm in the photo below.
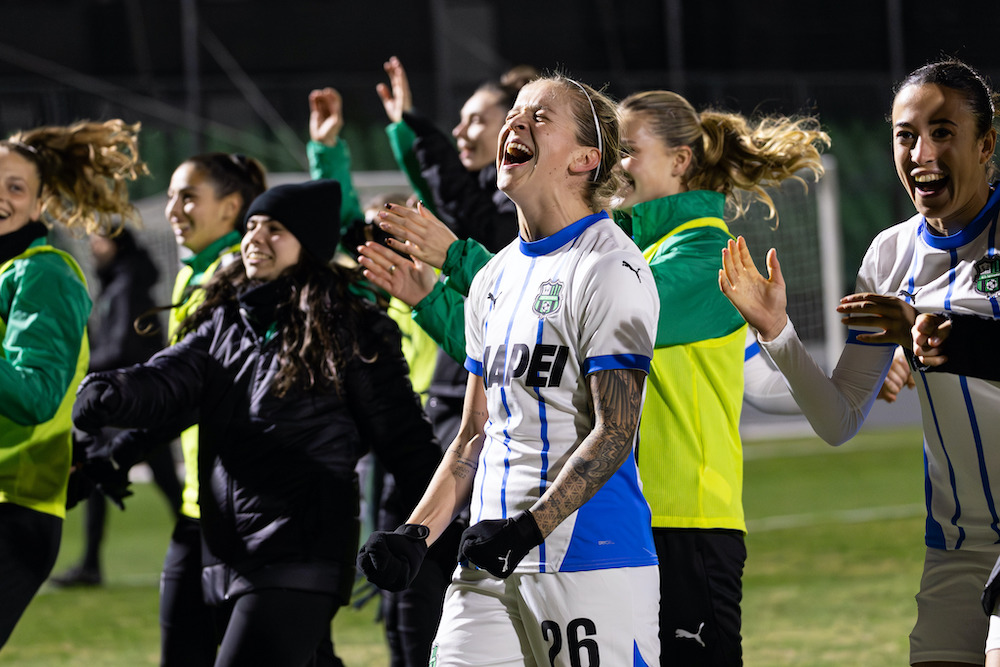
(466, 456)
(463, 467)
(617, 398)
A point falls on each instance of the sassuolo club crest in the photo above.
(988, 275)
(547, 301)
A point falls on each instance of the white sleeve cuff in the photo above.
(993, 638)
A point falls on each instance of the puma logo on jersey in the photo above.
(505, 560)
(542, 365)
(492, 298)
(635, 271)
(680, 633)
(909, 296)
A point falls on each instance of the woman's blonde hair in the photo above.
(83, 169)
(730, 153)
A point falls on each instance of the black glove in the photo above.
(107, 476)
(96, 401)
(992, 590)
(498, 545)
(79, 485)
(391, 560)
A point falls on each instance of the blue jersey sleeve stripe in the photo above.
(852, 338)
(751, 351)
(473, 366)
(610, 362)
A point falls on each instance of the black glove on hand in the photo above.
(108, 477)
(391, 560)
(498, 545)
(96, 401)
(79, 485)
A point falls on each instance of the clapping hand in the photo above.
(761, 301)
(409, 280)
(417, 232)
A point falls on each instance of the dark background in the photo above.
(235, 74)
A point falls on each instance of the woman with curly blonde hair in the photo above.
(688, 173)
(75, 177)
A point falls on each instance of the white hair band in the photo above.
(597, 125)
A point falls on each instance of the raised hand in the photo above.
(891, 314)
(929, 333)
(326, 116)
(761, 301)
(417, 233)
(407, 280)
(396, 97)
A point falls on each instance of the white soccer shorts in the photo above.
(567, 619)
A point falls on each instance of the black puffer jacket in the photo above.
(279, 496)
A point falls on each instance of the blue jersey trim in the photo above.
(751, 351)
(977, 436)
(546, 445)
(613, 528)
(637, 660)
(852, 337)
(473, 366)
(929, 538)
(968, 233)
(562, 237)
(610, 362)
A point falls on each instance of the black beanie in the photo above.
(310, 211)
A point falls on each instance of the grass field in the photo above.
(835, 552)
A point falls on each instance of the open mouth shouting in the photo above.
(928, 185)
(516, 153)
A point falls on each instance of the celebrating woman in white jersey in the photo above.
(559, 559)
(944, 259)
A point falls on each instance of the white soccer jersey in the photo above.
(540, 317)
(961, 415)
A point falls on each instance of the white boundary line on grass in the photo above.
(756, 451)
(761, 451)
(862, 515)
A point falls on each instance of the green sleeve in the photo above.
(442, 315)
(464, 259)
(692, 307)
(401, 138)
(45, 322)
(335, 162)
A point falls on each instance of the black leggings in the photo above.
(278, 628)
(29, 544)
(187, 624)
